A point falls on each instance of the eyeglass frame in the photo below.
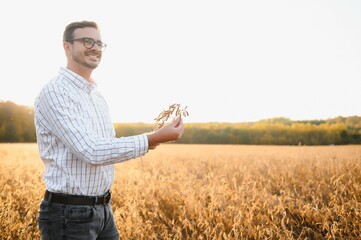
(99, 43)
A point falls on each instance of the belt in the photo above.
(76, 199)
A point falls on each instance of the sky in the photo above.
(227, 61)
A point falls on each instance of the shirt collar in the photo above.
(78, 80)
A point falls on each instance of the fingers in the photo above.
(178, 121)
(152, 147)
(175, 120)
(181, 128)
(167, 133)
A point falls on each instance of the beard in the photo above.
(90, 59)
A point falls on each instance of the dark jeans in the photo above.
(81, 222)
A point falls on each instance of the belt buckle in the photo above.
(107, 197)
(102, 199)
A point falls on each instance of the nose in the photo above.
(96, 46)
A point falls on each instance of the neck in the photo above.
(84, 72)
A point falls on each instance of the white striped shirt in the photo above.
(76, 137)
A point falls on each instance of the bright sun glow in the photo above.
(228, 61)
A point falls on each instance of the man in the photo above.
(77, 144)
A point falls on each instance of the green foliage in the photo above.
(262, 132)
(131, 129)
(17, 125)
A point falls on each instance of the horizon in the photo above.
(225, 122)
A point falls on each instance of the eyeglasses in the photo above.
(89, 43)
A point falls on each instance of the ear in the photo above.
(66, 46)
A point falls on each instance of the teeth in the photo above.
(92, 54)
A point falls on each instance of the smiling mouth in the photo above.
(93, 54)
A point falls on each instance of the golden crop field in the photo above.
(208, 192)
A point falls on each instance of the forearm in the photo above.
(110, 151)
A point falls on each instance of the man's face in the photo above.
(82, 53)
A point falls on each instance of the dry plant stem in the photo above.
(208, 192)
(174, 110)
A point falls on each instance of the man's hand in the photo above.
(171, 132)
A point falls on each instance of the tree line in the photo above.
(17, 125)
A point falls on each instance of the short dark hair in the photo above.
(69, 30)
